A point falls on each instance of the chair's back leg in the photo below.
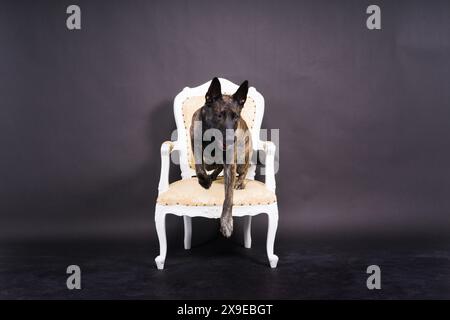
(248, 232)
(187, 232)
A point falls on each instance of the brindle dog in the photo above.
(223, 113)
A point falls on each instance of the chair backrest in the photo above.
(191, 99)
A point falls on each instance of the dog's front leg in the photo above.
(196, 134)
(202, 176)
(226, 220)
(203, 179)
(216, 172)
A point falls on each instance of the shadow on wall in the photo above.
(130, 201)
(108, 205)
(112, 207)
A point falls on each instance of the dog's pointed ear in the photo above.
(214, 91)
(240, 96)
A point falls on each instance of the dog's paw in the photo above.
(239, 185)
(205, 182)
(226, 226)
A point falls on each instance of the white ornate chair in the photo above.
(188, 199)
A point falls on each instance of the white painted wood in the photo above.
(271, 231)
(248, 232)
(166, 148)
(187, 232)
(269, 149)
(160, 222)
(214, 212)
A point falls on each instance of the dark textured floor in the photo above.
(308, 269)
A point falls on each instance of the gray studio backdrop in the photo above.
(364, 116)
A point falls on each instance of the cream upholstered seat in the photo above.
(188, 199)
(188, 192)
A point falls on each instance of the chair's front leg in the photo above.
(160, 221)
(187, 232)
(272, 230)
(248, 232)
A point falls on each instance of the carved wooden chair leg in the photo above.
(160, 221)
(187, 232)
(248, 232)
(271, 231)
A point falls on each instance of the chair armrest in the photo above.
(166, 148)
(269, 171)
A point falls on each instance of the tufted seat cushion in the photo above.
(189, 192)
